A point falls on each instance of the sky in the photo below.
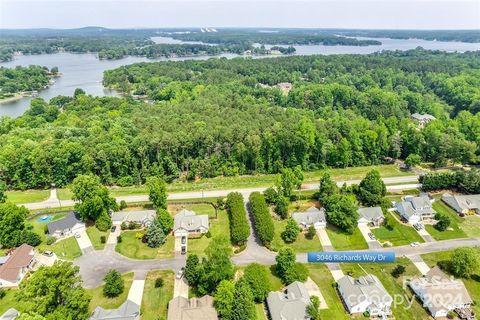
(362, 14)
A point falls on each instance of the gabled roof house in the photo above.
(415, 209)
(71, 224)
(371, 215)
(20, 261)
(463, 204)
(129, 310)
(186, 222)
(312, 216)
(290, 303)
(181, 308)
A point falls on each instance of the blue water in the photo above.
(45, 219)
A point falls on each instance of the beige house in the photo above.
(463, 204)
(16, 266)
(187, 222)
(181, 308)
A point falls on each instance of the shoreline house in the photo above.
(19, 262)
(372, 216)
(181, 308)
(129, 310)
(366, 293)
(67, 226)
(440, 294)
(463, 204)
(422, 119)
(311, 216)
(290, 303)
(415, 209)
(186, 222)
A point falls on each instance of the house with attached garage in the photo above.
(441, 294)
(19, 262)
(312, 216)
(181, 308)
(415, 209)
(67, 226)
(463, 204)
(142, 217)
(290, 303)
(129, 310)
(366, 293)
(372, 216)
(187, 222)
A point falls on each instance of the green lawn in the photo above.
(64, 194)
(95, 237)
(134, 248)
(344, 241)
(455, 219)
(323, 278)
(471, 226)
(10, 300)
(99, 300)
(302, 244)
(27, 196)
(472, 284)
(155, 300)
(392, 285)
(198, 208)
(218, 227)
(260, 310)
(400, 234)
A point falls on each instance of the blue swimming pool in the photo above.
(45, 218)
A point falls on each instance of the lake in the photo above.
(86, 71)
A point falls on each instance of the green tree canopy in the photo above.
(372, 189)
(114, 284)
(157, 192)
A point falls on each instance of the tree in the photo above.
(3, 189)
(223, 298)
(443, 221)
(114, 284)
(342, 212)
(78, 92)
(313, 309)
(165, 220)
(372, 189)
(291, 231)
(56, 292)
(29, 316)
(413, 160)
(256, 276)
(270, 195)
(243, 306)
(311, 232)
(193, 270)
(155, 235)
(262, 219)
(281, 207)
(54, 70)
(13, 231)
(464, 262)
(327, 188)
(289, 180)
(287, 268)
(103, 222)
(157, 192)
(398, 271)
(239, 227)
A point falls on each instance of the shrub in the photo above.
(123, 205)
(104, 222)
(208, 234)
(119, 238)
(291, 231)
(124, 225)
(132, 225)
(281, 207)
(262, 219)
(103, 239)
(50, 240)
(443, 222)
(125, 181)
(398, 271)
(114, 284)
(270, 195)
(139, 235)
(158, 283)
(2, 293)
(239, 227)
(256, 276)
(311, 232)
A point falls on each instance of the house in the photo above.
(181, 308)
(10, 314)
(187, 222)
(365, 294)
(290, 303)
(415, 209)
(142, 217)
(69, 225)
(463, 204)
(21, 260)
(371, 216)
(422, 119)
(441, 294)
(312, 216)
(129, 310)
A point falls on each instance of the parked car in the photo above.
(180, 273)
(418, 226)
(183, 250)
(414, 244)
(77, 235)
(184, 240)
(113, 228)
(372, 236)
(48, 253)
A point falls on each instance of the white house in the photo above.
(187, 222)
(142, 217)
(19, 262)
(415, 209)
(370, 216)
(463, 204)
(422, 119)
(365, 294)
(312, 216)
(441, 294)
(69, 225)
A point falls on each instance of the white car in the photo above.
(414, 244)
(77, 235)
(180, 273)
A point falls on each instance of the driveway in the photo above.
(365, 230)
(44, 260)
(420, 264)
(425, 235)
(314, 290)
(84, 241)
(112, 237)
(324, 239)
(180, 288)
(136, 290)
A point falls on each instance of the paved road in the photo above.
(406, 182)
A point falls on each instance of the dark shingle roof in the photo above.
(66, 223)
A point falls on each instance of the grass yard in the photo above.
(455, 219)
(198, 208)
(95, 237)
(260, 311)
(64, 194)
(10, 300)
(99, 300)
(302, 244)
(344, 241)
(323, 278)
(155, 300)
(27, 196)
(134, 248)
(471, 226)
(400, 234)
(393, 286)
(218, 227)
(472, 284)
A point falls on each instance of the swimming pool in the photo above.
(45, 218)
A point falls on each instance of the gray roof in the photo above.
(371, 213)
(140, 216)
(181, 308)
(63, 224)
(129, 310)
(423, 117)
(310, 216)
(189, 221)
(364, 288)
(415, 205)
(291, 303)
(462, 202)
(10, 314)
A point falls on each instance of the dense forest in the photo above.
(230, 117)
(21, 79)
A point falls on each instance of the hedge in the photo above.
(239, 228)
(262, 219)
